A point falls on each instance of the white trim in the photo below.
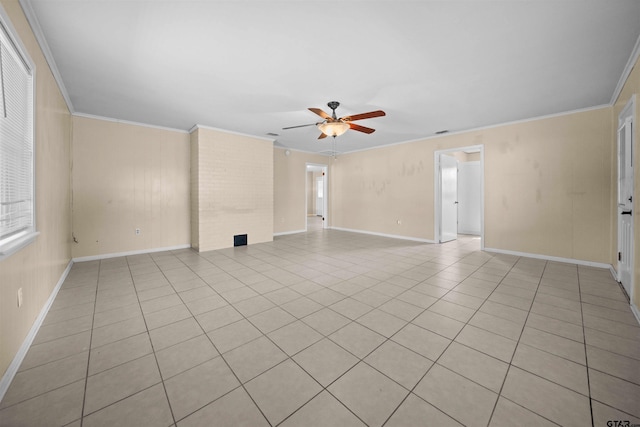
(634, 310)
(129, 253)
(391, 236)
(614, 273)
(32, 18)
(127, 122)
(15, 245)
(497, 125)
(12, 370)
(197, 126)
(550, 258)
(285, 233)
(635, 53)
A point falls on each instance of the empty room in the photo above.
(306, 213)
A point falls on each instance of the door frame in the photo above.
(628, 112)
(437, 181)
(325, 199)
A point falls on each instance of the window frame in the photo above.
(14, 243)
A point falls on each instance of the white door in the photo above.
(469, 198)
(625, 197)
(319, 196)
(448, 198)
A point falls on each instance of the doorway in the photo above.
(459, 193)
(316, 205)
(625, 196)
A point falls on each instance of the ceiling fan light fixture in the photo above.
(336, 128)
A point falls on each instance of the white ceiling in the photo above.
(255, 66)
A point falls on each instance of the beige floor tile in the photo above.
(282, 390)
(617, 315)
(204, 305)
(117, 331)
(62, 329)
(553, 368)
(416, 412)
(507, 413)
(439, 324)
(554, 344)
(175, 333)
(325, 361)
(401, 309)
(484, 370)
(114, 384)
(458, 397)
(234, 335)
(301, 307)
(603, 414)
(160, 291)
(463, 299)
(614, 364)
(611, 327)
(357, 339)
(253, 358)
(497, 325)
(271, 319)
(41, 379)
(199, 386)
(426, 343)
(218, 318)
(282, 295)
(326, 321)
(381, 322)
(323, 411)
(399, 363)
(417, 299)
(161, 303)
(185, 355)
(369, 394)
(487, 342)
(148, 407)
(167, 316)
(55, 350)
(454, 311)
(56, 316)
(554, 402)
(350, 308)
(525, 294)
(294, 337)
(431, 290)
(615, 392)
(505, 312)
(57, 407)
(255, 305)
(510, 300)
(371, 298)
(558, 313)
(119, 352)
(613, 343)
(468, 288)
(238, 294)
(233, 409)
(556, 327)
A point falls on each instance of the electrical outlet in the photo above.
(19, 297)
(137, 231)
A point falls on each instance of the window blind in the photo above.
(16, 142)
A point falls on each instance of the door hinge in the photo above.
(619, 256)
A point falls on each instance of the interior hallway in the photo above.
(332, 328)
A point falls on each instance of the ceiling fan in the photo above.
(334, 126)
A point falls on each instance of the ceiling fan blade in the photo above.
(300, 126)
(361, 128)
(322, 135)
(320, 113)
(369, 115)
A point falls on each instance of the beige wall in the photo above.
(127, 177)
(233, 187)
(632, 86)
(38, 267)
(289, 191)
(547, 186)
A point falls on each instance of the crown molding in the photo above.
(197, 126)
(633, 58)
(30, 14)
(127, 122)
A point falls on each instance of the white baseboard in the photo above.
(12, 370)
(551, 258)
(285, 233)
(635, 312)
(392, 236)
(614, 273)
(129, 253)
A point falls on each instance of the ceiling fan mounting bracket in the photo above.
(333, 104)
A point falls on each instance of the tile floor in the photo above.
(336, 329)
